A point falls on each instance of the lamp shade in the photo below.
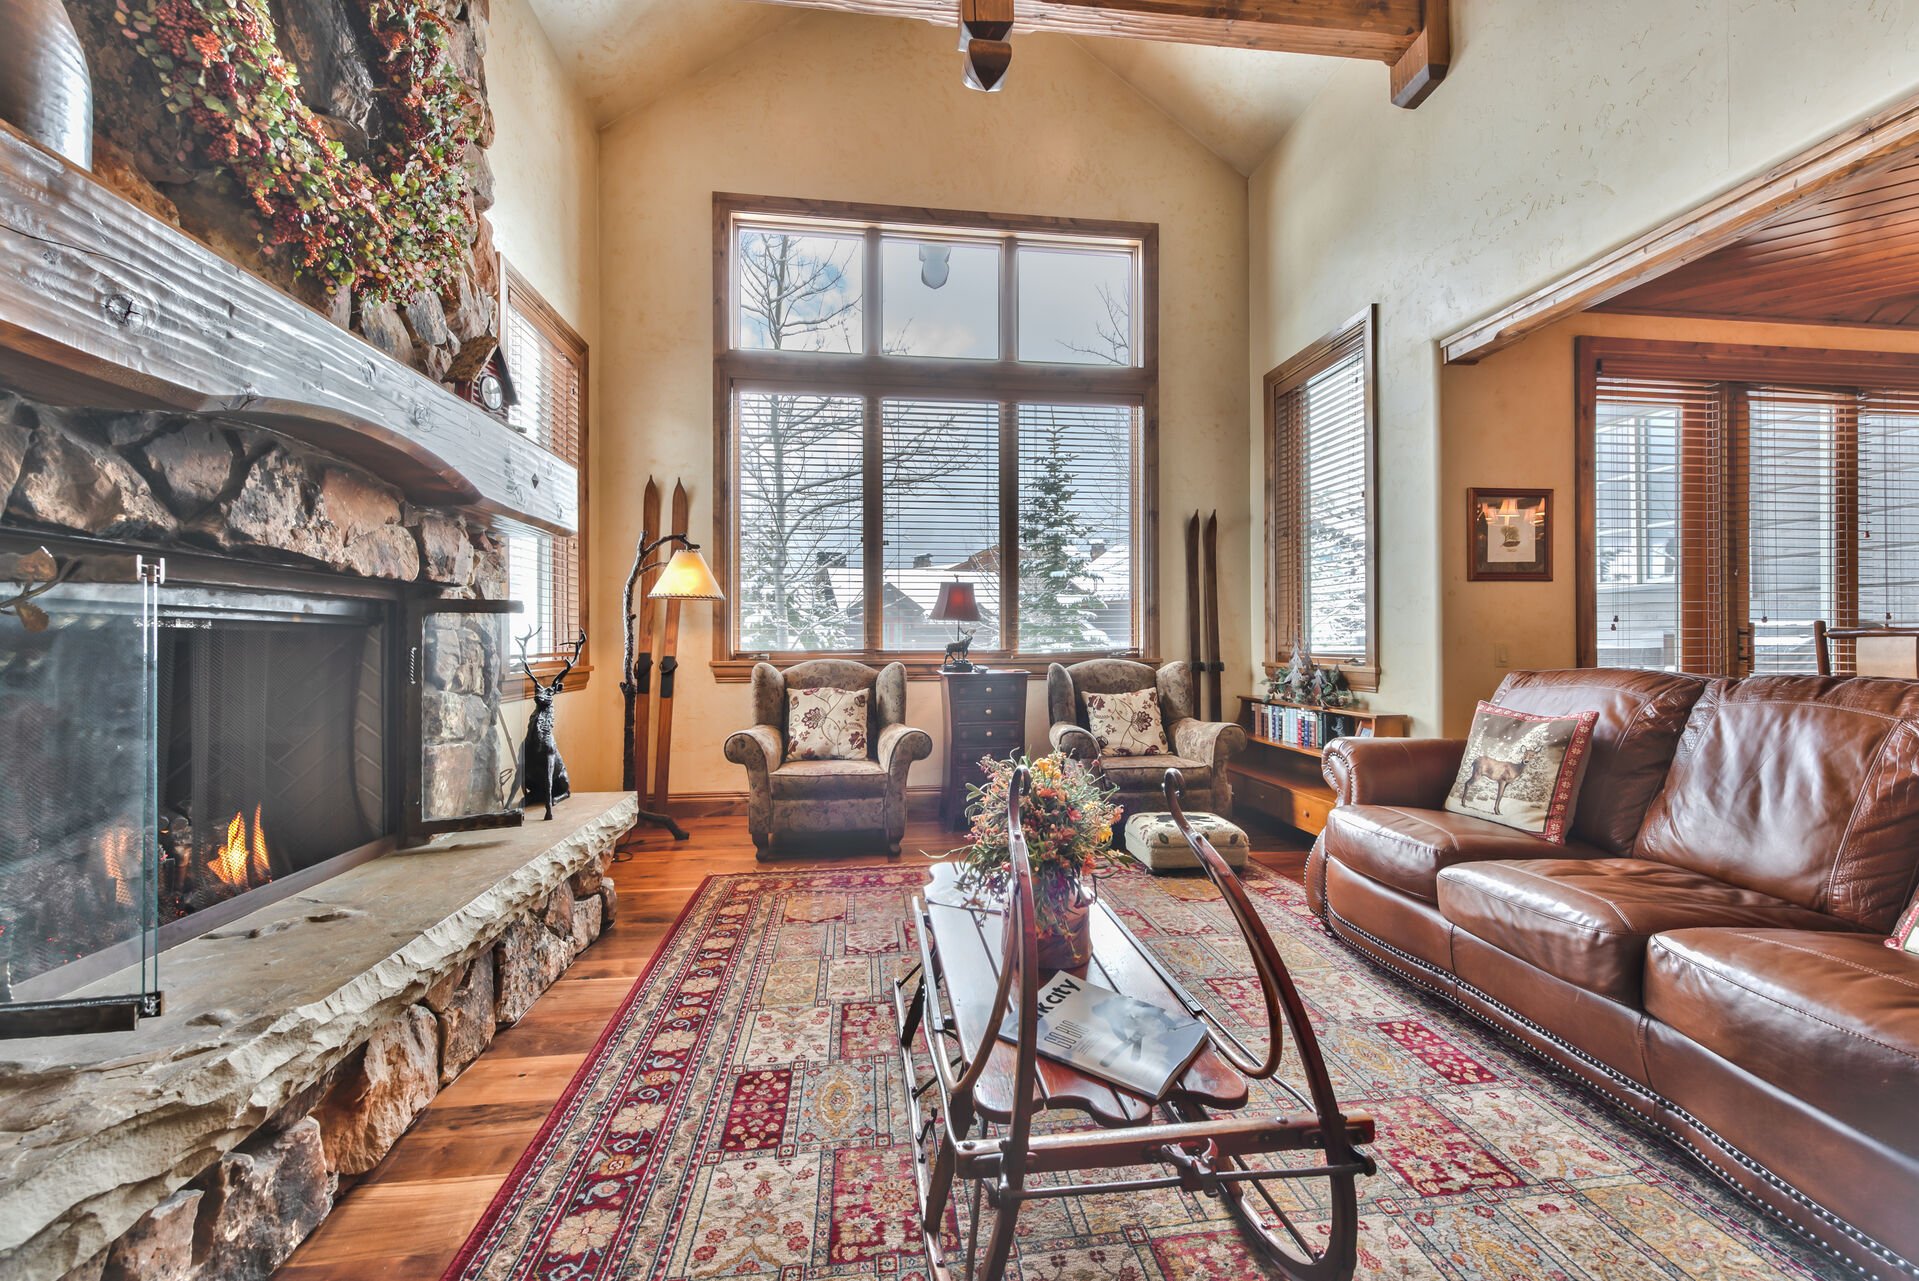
(956, 603)
(686, 577)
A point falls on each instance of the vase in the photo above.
(45, 91)
(1064, 918)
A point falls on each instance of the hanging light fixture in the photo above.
(936, 264)
(983, 28)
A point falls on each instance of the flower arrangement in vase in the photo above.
(1068, 816)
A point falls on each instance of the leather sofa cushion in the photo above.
(1802, 787)
(1586, 921)
(1407, 848)
(1832, 1018)
(1641, 716)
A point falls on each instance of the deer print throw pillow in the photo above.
(1126, 724)
(1523, 770)
(826, 724)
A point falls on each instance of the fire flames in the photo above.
(242, 860)
(120, 849)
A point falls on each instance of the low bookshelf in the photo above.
(1278, 774)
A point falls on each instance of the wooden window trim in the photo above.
(517, 294)
(1005, 380)
(1737, 367)
(1282, 619)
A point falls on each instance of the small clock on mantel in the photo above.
(487, 383)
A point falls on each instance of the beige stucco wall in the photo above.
(546, 219)
(864, 109)
(1563, 130)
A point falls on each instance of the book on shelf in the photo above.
(1308, 727)
(1133, 1044)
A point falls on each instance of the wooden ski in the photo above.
(639, 653)
(669, 663)
(1196, 660)
(1215, 665)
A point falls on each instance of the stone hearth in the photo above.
(298, 1043)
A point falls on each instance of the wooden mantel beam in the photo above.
(1410, 36)
(104, 306)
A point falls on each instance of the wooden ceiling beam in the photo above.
(1418, 71)
(1412, 37)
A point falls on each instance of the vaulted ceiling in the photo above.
(626, 54)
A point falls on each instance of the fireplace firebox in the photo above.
(274, 719)
(178, 754)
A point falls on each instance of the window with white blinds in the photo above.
(1801, 447)
(939, 496)
(1656, 447)
(979, 418)
(1077, 503)
(801, 474)
(1732, 514)
(1888, 567)
(1320, 504)
(546, 360)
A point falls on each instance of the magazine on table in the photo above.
(1135, 1045)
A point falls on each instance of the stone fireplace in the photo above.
(322, 700)
(276, 749)
(257, 861)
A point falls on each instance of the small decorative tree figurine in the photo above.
(1295, 685)
(1068, 816)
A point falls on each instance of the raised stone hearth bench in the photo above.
(298, 1044)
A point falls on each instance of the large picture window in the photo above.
(546, 359)
(1319, 505)
(908, 398)
(1735, 496)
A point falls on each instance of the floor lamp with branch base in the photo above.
(686, 576)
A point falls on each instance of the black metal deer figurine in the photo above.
(542, 773)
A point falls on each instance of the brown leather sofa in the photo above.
(1707, 948)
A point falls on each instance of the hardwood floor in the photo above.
(408, 1217)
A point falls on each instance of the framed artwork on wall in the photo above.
(1509, 536)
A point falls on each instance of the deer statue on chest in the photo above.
(542, 773)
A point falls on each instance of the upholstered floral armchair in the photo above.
(1200, 749)
(827, 798)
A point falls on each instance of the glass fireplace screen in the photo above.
(166, 753)
(78, 849)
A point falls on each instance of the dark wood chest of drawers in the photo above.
(985, 716)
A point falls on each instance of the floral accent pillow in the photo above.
(1126, 724)
(826, 724)
(1523, 771)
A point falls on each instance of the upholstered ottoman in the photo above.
(1153, 840)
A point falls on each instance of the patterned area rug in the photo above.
(741, 1117)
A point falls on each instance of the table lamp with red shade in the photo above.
(957, 603)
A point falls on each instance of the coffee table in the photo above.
(982, 1093)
